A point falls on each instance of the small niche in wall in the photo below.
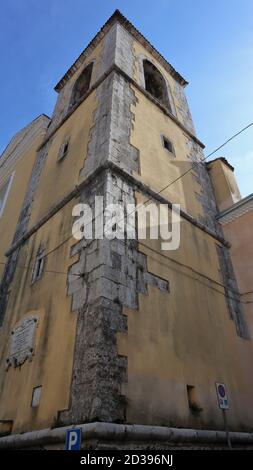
(192, 400)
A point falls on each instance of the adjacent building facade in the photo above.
(120, 332)
(235, 216)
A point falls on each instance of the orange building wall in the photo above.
(239, 233)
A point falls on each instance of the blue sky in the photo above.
(209, 42)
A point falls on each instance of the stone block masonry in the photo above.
(232, 295)
(110, 134)
(21, 229)
(113, 273)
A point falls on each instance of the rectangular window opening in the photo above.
(36, 394)
(4, 191)
(63, 150)
(38, 267)
(168, 145)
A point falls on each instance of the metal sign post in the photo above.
(223, 404)
(226, 428)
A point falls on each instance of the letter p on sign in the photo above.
(73, 439)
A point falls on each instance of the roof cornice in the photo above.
(223, 160)
(118, 17)
(26, 138)
(237, 210)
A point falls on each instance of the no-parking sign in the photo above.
(222, 395)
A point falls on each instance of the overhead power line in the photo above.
(208, 156)
(159, 253)
(202, 275)
(170, 184)
(182, 265)
(46, 270)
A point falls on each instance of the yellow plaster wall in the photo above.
(158, 168)
(239, 233)
(61, 177)
(9, 218)
(224, 183)
(51, 366)
(185, 337)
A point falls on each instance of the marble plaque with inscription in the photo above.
(22, 341)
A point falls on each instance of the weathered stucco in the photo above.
(124, 327)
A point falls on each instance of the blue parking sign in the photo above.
(73, 439)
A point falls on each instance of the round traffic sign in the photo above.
(222, 391)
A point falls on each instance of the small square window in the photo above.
(38, 266)
(4, 191)
(36, 396)
(168, 145)
(63, 150)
